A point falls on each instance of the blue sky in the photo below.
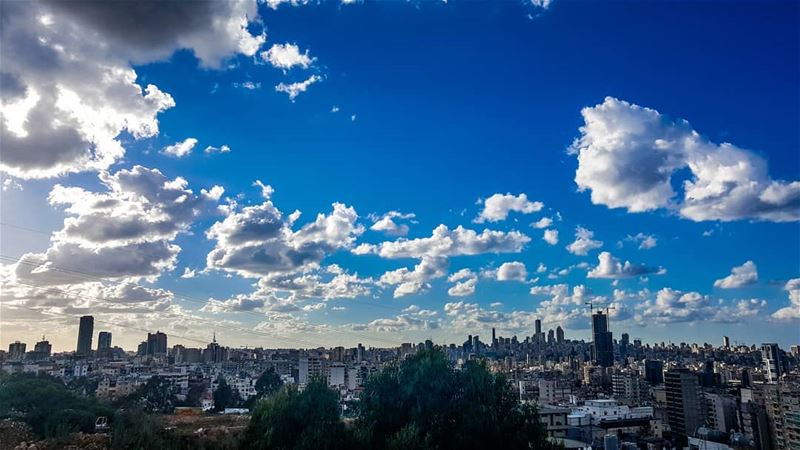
(430, 109)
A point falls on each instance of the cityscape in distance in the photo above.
(429, 225)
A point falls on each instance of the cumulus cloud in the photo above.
(210, 150)
(295, 89)
(645, 241)
(512, 271)
(466, 280)
(671, 306)
(416, 280)
(388, 223)
(498, 206)
(793, 310)
(411, 318)
(87, 94)
(445, 242)
(584, 242)
(610, 267)
(126, 231)
(258, 240)
(180, 149)
(550, 236)
(628, 155)
(544, 222)
(286, 56)
(740, 276)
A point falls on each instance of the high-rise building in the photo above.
(721, 412)
(684, 401)
(726, 342)
(16, 350)
(43, 348)
(104, 341)
(85, 332)
(630, 389)
(538, 326)
(624, 345)
(559, 334)
(782, 402)
(771, 355)
(654, 372)
(156, 343)
(602, 341)
(551, 336)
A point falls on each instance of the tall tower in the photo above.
(538, 336)
(771, 355)
(559, 334)
(602, 341)
(85, 332)
(684, 410)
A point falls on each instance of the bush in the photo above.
(47, 405)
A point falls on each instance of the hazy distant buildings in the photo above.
(85, 332)
(726, 342)
(684, 401)
(602, 341)
(559, 334)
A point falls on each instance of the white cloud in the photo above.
(512, 271)
(445, 242)
(249, 85)
(645, 241)
(610, 267)
(740, 276)
(388, 223)
(412, 318)
(257, 240)
(286, 56)
(221, 149)
(126, 231)
(584, 242)
(295, 89)
(793, 310)
(180, 149)
(544, 222)
(672, 306)
(410, 282)
(550, 236)
(628, 154)
(497, 207)
(87, 95)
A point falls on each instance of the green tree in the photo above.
(135, 429)
(268, 383)
(224, 396)
(156, 396)
(424, 402)
(47, 405)
(298, 420)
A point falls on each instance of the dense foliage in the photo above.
(47, 405)
(421, 403)
(156, 396)
(424, 403)
(293, 419)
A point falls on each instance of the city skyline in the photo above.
(460, 168)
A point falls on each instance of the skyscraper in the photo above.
(551, 336)
(85, 332)
(602, 341)
(726, 342)
(559, 334)
(16, 350)
(624, 344)
(654, 372)
(104, 340)
(43, 348)
(156, 343)
(771, 355)
(538, 335)
(684, 402)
